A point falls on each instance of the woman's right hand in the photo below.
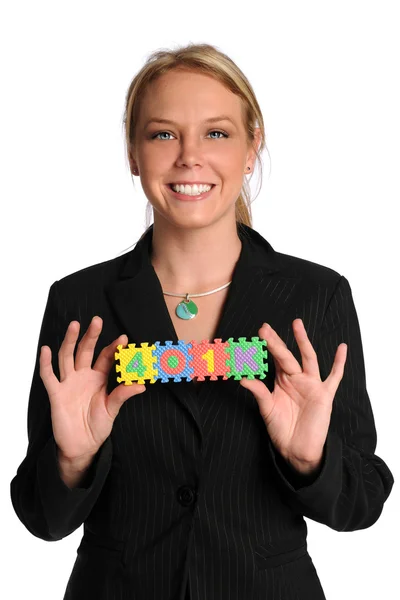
(82, 413)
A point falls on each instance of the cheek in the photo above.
(155, 159)
(231, 165)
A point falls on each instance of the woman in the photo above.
(199, 488)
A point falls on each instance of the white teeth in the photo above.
(191, 190)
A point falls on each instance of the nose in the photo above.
(190, 153)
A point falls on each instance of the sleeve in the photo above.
(350, 487)
(47, 507)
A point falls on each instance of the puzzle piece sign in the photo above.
(186, 361)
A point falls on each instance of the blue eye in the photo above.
(167, 132)
(157, 134)
(221, 132)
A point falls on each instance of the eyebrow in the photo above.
(210, 120)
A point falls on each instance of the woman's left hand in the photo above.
(297, 413)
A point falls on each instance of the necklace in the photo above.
(187, 309)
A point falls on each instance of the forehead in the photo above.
(180, 94)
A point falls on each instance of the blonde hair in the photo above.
(206, 59)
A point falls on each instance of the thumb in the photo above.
(120, 394)
(261, 394)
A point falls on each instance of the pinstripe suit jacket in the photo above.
(188, 489)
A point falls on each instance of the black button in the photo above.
(186, 495)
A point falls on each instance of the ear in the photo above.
(255, 145)
(132, 162)
(257, 138)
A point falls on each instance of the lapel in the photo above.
(259, 292)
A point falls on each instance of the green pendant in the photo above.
(186, 310)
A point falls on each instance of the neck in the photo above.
(195, 260)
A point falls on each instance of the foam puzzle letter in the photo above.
(147, 364)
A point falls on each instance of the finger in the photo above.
(66, 351)
(120, 394)
(85, 351)
(279, 349)
(308, 355)
(337, 371)
(107, 355)
(261, 394)
(46, 372)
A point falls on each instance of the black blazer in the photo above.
(188, 488)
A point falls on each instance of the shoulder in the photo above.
(94, 276)
(292, 267)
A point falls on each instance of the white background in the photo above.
(327, 79)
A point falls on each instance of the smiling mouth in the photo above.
(182, 195)
(171, 184)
